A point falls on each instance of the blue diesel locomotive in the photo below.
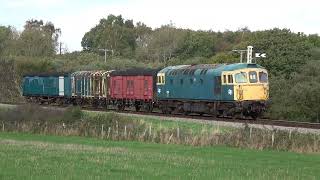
(223, 90)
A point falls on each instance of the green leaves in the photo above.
(297, 98)
(286, 51)
(114, 33)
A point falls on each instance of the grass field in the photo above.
(28, 156)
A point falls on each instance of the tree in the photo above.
(297, 98)
(197, 44)
(4, 38)
(39, 39)
(9, 41)
(286, 51)
(114, 34)
(222, 57)
(165, 42)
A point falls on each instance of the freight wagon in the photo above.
(47, 87)
(133, 87)
(90, 87)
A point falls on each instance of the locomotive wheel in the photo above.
(165, 111)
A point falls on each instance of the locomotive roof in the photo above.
(135, 72)
(206, 68)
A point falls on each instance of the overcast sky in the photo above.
(75, 17)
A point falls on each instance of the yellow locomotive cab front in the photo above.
(251, 84)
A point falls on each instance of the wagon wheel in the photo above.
(138, 107)
(149, 107)
(120, 107)
(254, 116)
(60, 102)
(186, 113)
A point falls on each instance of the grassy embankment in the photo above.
(113, 126)
(30, 156)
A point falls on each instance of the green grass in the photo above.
(28, 156)
(163, 122)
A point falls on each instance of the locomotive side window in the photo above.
(241, 77)
(160, 78)
(263, 77)
(217, 85)
(224, 79)
(230, 79)
(253, 77)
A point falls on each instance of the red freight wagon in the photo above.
(134, 87)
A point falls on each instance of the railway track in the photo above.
(270, 122)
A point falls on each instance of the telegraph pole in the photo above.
(60, 48)
(105, 53)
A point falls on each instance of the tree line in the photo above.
(292, 58)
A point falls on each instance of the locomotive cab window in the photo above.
(253, 77)
(241, 77)
(263, 77)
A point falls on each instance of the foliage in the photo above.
(164, 43)
(9, 86)
(39, 39)
(286, 51)
(222, 57)
(199, 43)
(36, 40)
(297, 98)
(114, 34)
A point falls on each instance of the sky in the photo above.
(76, 17)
